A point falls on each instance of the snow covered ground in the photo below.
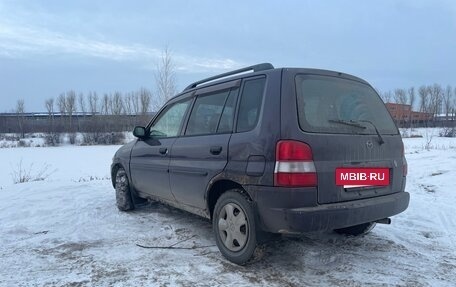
(67, 231)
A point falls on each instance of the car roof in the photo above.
(265, 69)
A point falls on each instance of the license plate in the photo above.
(350, 177)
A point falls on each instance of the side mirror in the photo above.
(139, 132)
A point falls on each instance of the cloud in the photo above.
(25, 41)
(205, 64)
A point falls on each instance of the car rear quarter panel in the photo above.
(251, 155)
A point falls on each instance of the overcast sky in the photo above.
(49, 47)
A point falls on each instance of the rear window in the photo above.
(334, 105)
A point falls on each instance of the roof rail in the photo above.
(254, 68)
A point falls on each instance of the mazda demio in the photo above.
(264, 150)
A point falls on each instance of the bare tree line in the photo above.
(116, 103)
(89, 113)
(433, 99)
(94, 115)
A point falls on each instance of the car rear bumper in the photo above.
(278, 216)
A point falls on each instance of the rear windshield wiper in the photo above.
(380, 139)
(348, 123)
(357, 124)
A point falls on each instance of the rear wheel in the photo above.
(234, 226)
(123, 194)
(356, 230)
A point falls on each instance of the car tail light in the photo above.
(294, 164)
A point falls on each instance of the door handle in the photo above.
(163, 150)
(215, 150)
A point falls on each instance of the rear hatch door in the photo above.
(347, 126)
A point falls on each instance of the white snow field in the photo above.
(67, 231)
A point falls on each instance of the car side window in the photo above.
(170, 121)
(206, 112)
(250, 105)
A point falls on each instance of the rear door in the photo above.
(347, 126)
(202, 152)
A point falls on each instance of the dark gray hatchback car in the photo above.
(262, 150)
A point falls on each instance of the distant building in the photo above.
(403, 114)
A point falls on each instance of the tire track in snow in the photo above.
(448, 226)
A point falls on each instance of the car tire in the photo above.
(235, 227)
(123, 194)
(356, 230)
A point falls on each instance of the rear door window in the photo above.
(206, 113)
(334, 105)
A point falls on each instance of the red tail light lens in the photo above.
(293, 150)
(294, 165)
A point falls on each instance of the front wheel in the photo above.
(356, 230)
(234, 226)
(123, 194)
